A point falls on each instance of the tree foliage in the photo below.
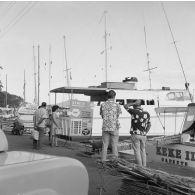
(12, 100)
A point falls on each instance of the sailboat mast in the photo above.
(38, 74)
(148, 61)
(106, 54)
(35, 76)
(66, 63)
(24, 87)
(6, 92)
(50, 62)
(105, 51)
(149, 69)
(174, 42)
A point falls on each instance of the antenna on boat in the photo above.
(35, 74)
(148, 60)
(105, 44)
(174, 42)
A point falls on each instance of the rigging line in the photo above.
(9, 27)
(2, 2)
(174, 42)
(15, 17)
(25, 10)
(7, 10)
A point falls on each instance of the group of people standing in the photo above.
(140, 125)
(42, 119)
(110, 112)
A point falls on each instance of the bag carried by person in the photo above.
(58, 131)
(48, 122)
(35, 134)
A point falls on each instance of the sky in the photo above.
(26, 24)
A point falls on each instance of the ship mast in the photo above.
(105, 51)
(50, 62)
(66, 63)
(174, 42)
(6, 92)
(24, 87)
(38, 74)
(148, 60)
(106, 54)
(35, 74)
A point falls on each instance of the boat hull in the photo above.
(180, 154)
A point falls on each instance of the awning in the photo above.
(90, 91)
(170, 109)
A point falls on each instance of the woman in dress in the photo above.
(55, 125)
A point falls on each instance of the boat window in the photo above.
(171, 96)
(143, 102)
(97, 98)
(187, 95)
(120, 101)
(150, 102)
(134, 100)
(130, 101)
(178, 96)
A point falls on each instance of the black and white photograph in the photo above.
(97, 97)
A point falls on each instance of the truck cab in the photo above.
(30, 173)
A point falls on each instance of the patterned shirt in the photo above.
(39, 114)
(110, 112)
(139, 120)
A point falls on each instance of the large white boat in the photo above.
(127, 91)
(25, 113)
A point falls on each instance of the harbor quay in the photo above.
(100, 181)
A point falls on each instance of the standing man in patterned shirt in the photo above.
(140, 125)
(110, 112)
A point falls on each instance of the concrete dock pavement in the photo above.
(99, 180)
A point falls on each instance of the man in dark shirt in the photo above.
(140, 125)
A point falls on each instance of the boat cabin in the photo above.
(127, 92)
